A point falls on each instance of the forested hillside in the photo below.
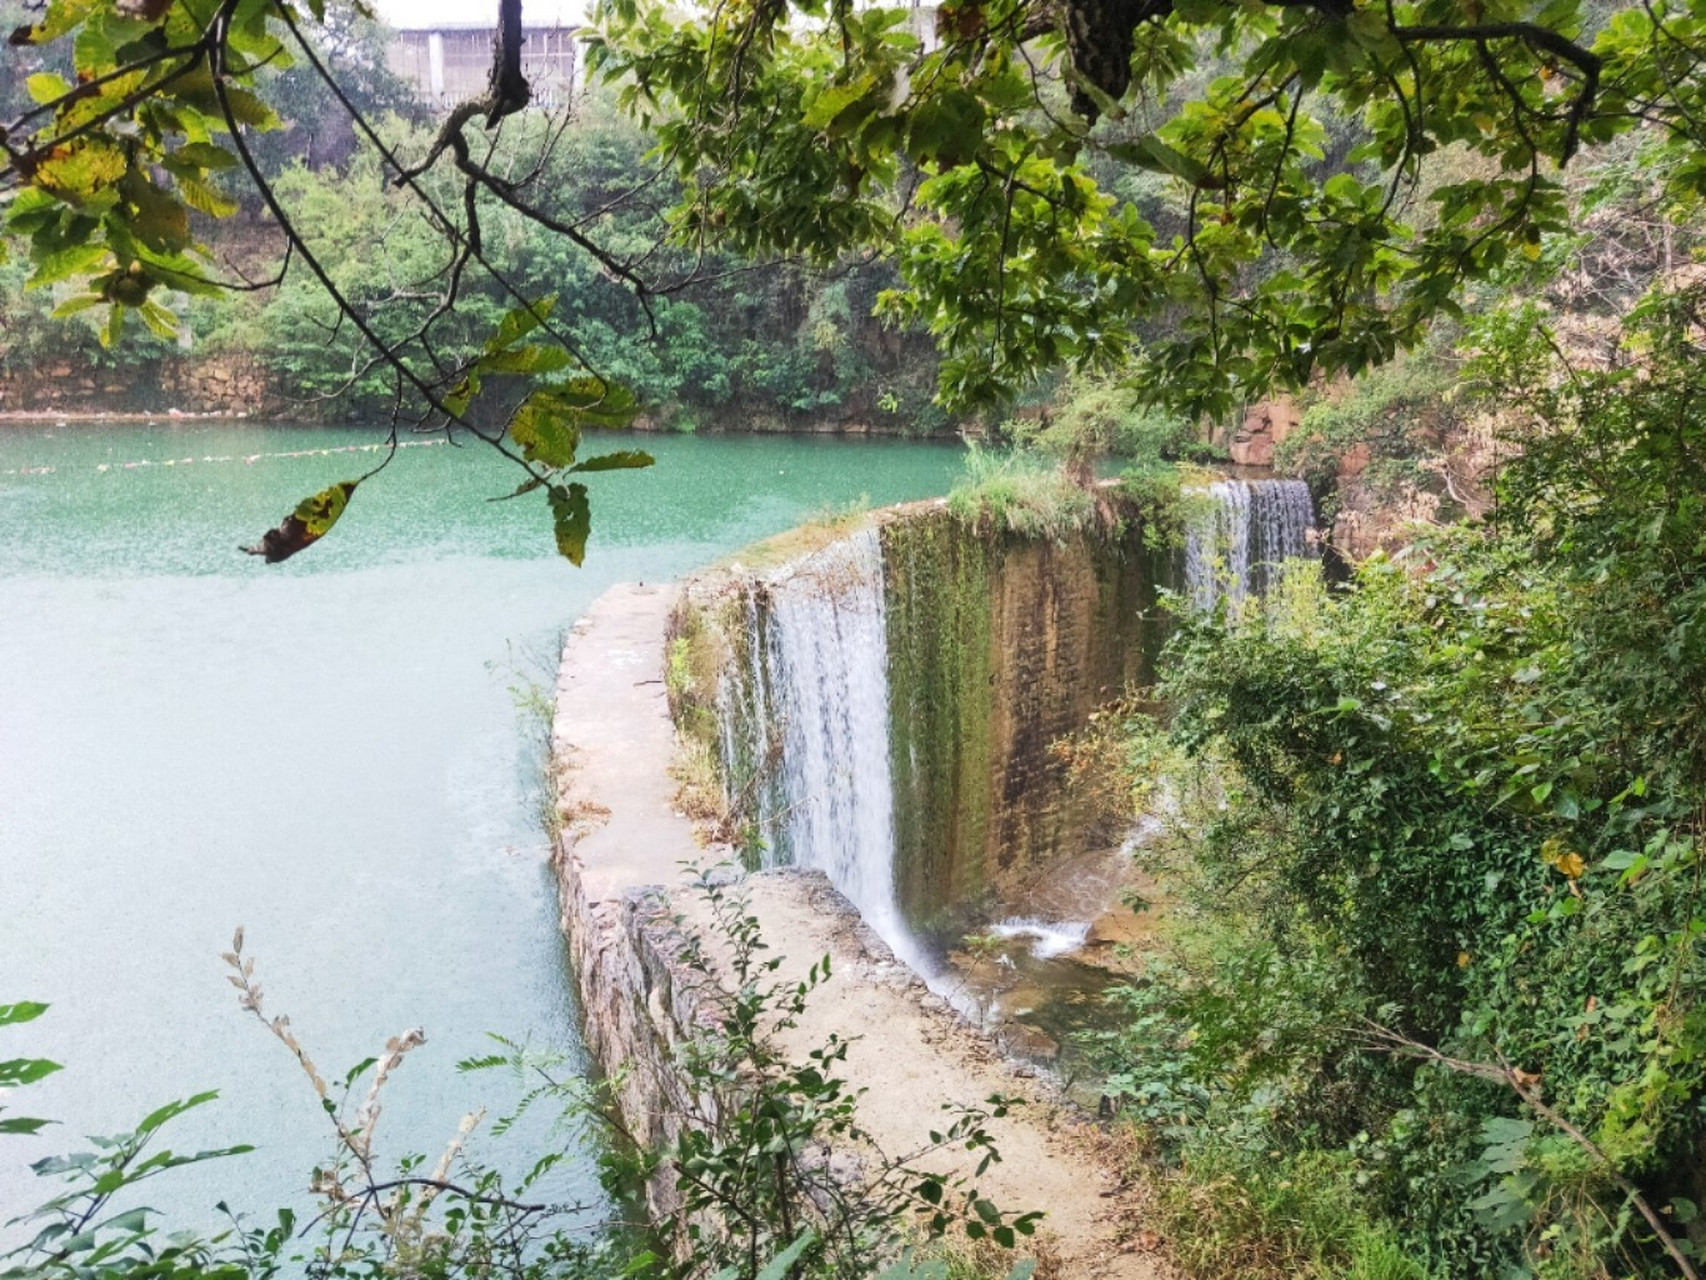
(722, 342)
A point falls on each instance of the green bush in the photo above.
(1022, 493)
(1439, 862)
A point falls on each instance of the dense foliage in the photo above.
(736, 345)
(1298, 229)
(1443, 868)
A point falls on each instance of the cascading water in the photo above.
(816, 672)
(1237, 549)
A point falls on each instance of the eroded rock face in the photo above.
(1265, 427)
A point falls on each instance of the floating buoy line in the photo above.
(227, 457)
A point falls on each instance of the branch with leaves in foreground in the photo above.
(107, 172)
(777, 1179)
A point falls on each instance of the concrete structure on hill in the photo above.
(449, 62)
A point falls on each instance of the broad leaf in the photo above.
(22, 1011)
(622, 460)
(520, 322)
(572, 516)
(544, 429)
(306, 525)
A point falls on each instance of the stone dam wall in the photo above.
(865, 715)
(999, 647)
(994, 648)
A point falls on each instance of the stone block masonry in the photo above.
(216, 385)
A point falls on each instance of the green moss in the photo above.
(978, 618)
(940, 600)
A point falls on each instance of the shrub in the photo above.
(1020, 493)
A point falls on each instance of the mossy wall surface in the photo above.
(999, 647)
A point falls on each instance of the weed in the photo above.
(1021, 493)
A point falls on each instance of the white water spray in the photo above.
(1050, 939)
(1238, 548)
(827, 659)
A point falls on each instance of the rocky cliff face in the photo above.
(1266, 425)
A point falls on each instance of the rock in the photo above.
(1353, 462)
(1265, 426)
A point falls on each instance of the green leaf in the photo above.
(65, 263)
(22, 1125)
(45, 86)
(18, 1071)
(520, 322)
(531, 359)
(572, 516)
(947, 129)
(161, 322)
(544, 430)
(1149, 152)
(599, 403)
(779, 1266)
(205, 198)
(75, 303)
(205, 155)
(622, 460)
(22, 1011)
(172, 1110)
(837, 98)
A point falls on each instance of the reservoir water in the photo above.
(325, 751)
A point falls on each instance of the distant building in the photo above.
(452, 61)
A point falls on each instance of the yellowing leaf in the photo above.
(1562, 859)
(45, 86)
(544, 429)
(77, 171)
(306, 525)
(206, 198)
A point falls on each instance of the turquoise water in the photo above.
(325, 751)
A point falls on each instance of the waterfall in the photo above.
(813, 695)
(1237, 548)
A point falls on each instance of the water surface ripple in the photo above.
(325, 751)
